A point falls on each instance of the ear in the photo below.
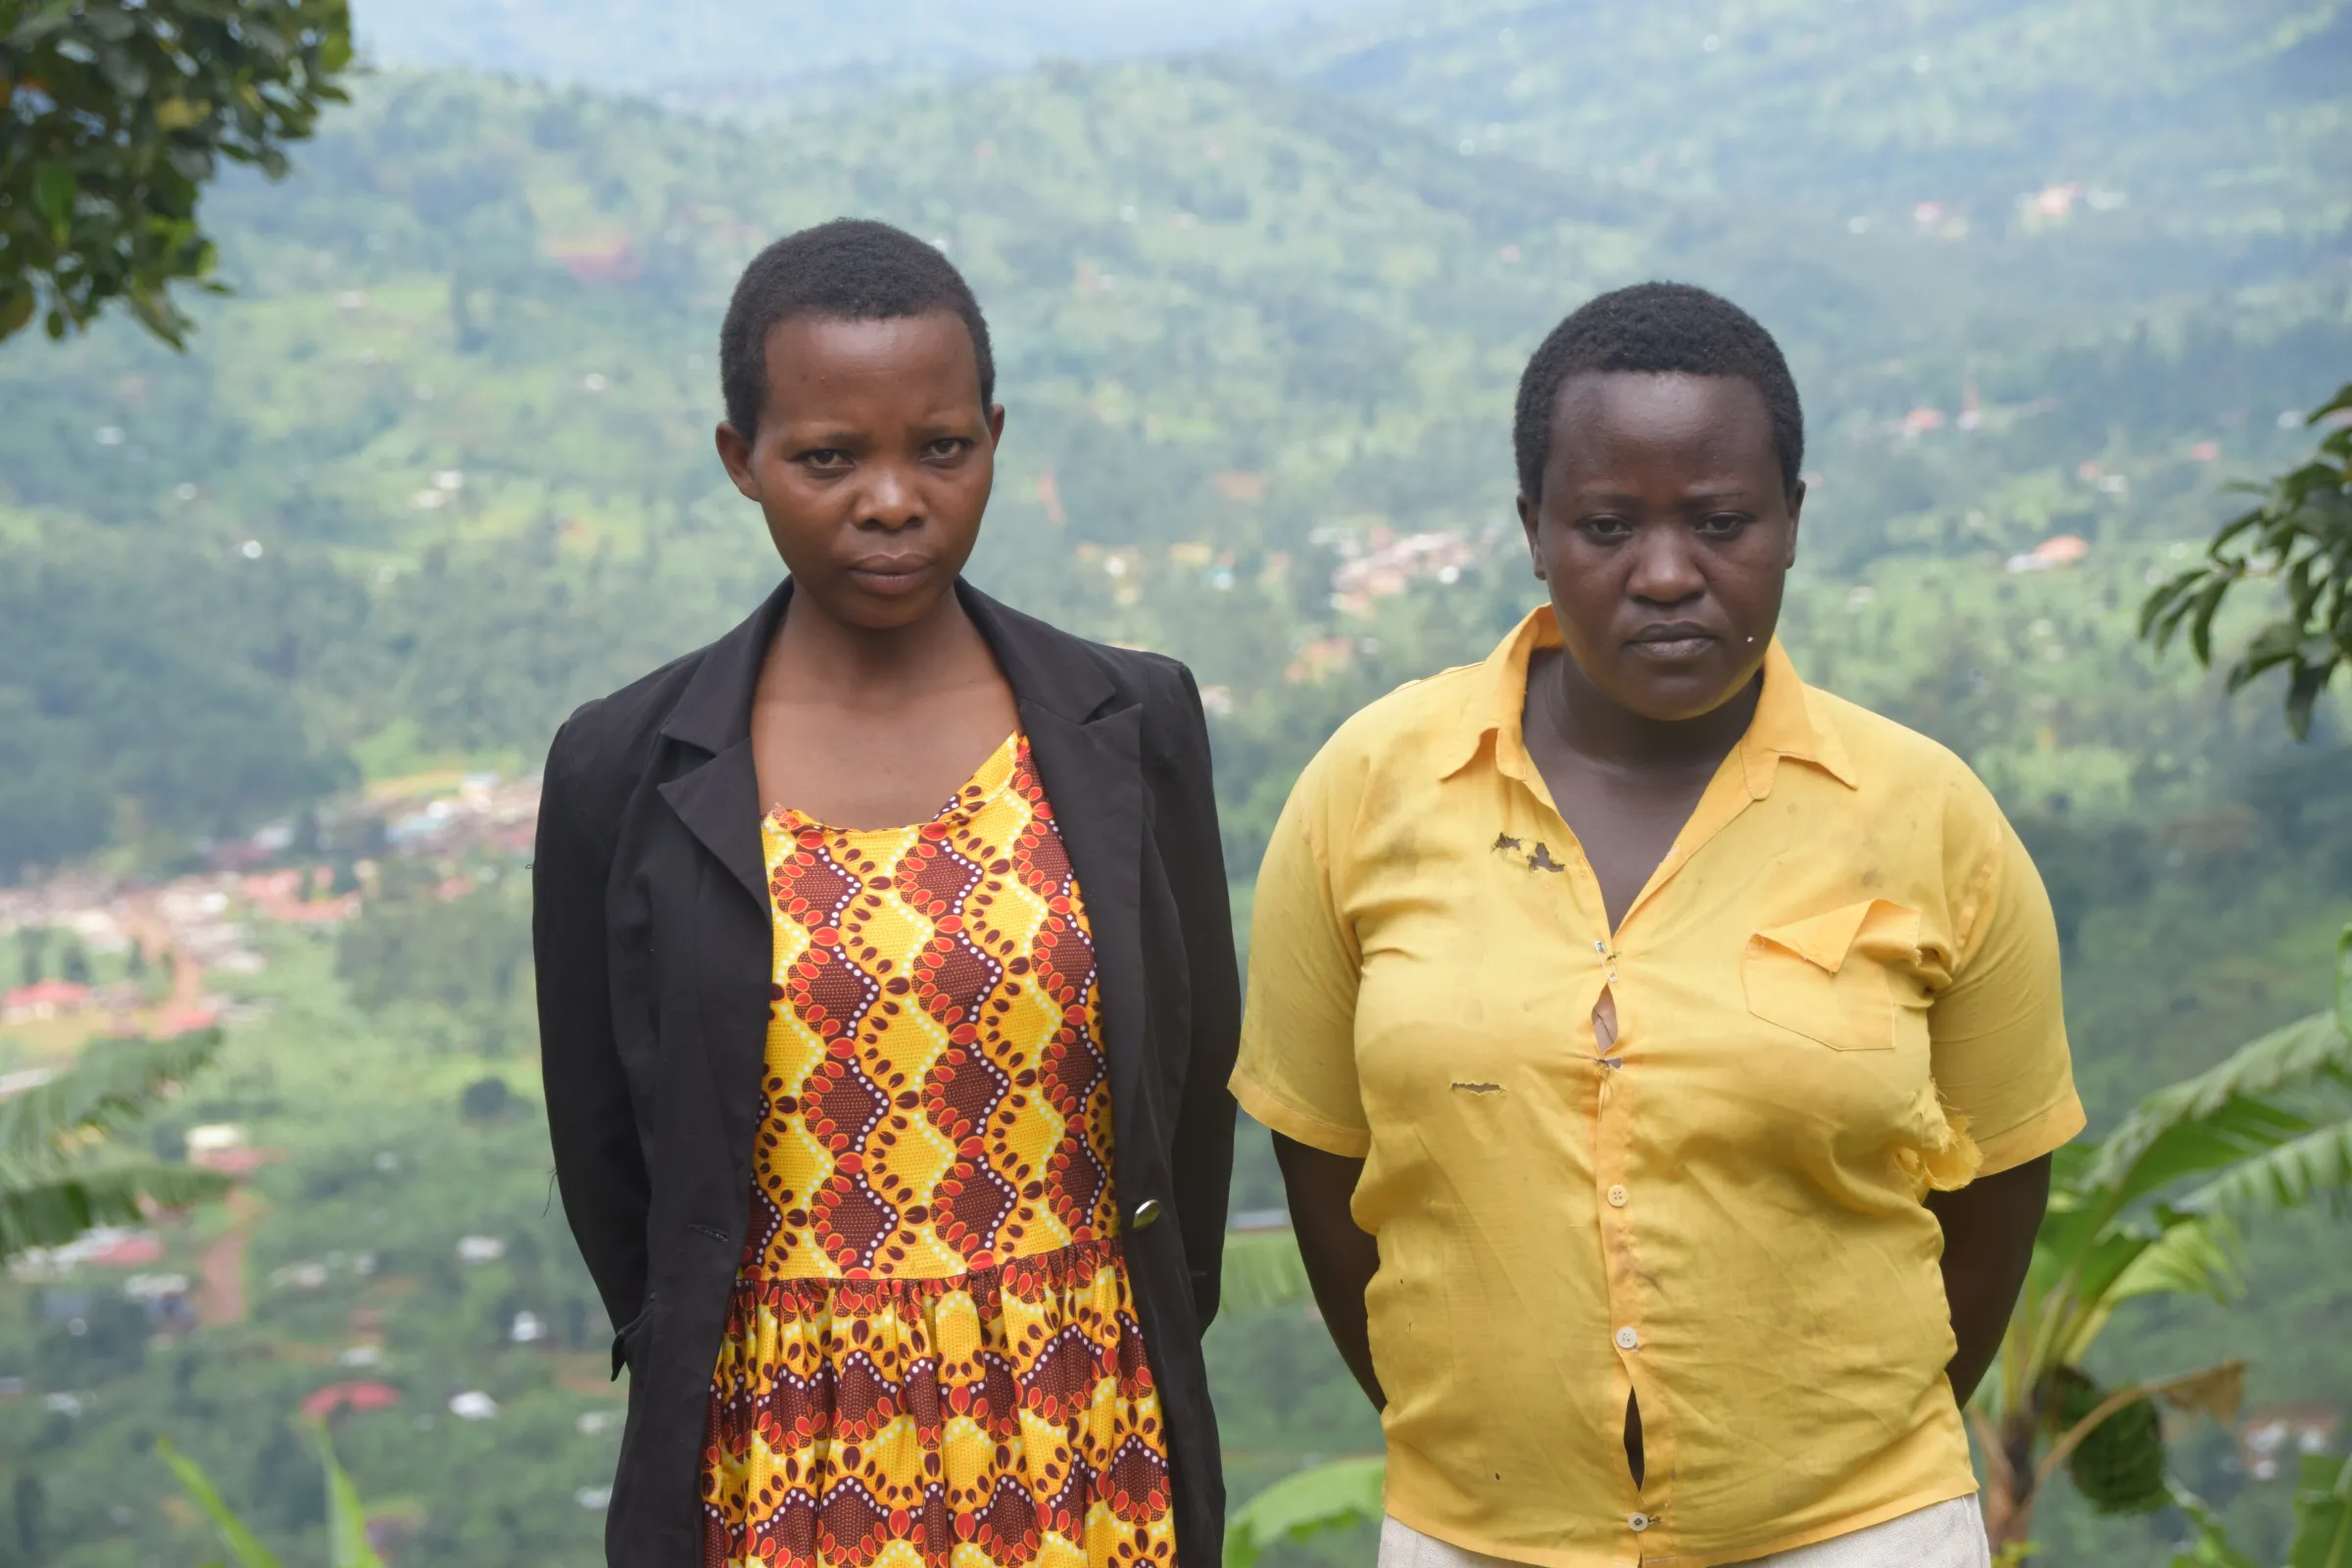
(996, 423)
(735, 456)
(1528, 519)
(1797, 507)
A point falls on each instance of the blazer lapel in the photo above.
(719, 804)
(1090, 758)
(718, 800)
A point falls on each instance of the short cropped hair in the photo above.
(1655, 328)
(850, 270)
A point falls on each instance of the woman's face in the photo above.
(872, 461)
(1663, 532)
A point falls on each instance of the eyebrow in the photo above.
(1693, 497)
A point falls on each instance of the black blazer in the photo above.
(651, 930)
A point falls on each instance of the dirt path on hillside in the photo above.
(220, 1266)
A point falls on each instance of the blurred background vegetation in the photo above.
(437, 467)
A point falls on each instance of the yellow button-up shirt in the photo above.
(1839, 989)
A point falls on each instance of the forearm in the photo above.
(1988, 1229)
(1340, 1258)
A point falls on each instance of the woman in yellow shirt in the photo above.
(1664, 1057)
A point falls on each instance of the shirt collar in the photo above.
(1786, 723)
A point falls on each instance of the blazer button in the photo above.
(1147, 1214)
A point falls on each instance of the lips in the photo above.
(1673, 642)
(890, 575)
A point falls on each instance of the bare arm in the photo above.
(1988, 1229)
(1341, 1259)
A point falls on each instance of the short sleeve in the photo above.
(1997, 1033)
(1297, 1069)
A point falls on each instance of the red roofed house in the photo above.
(125, 1249)
(42, 1000)
(613, 259)
(357, 1395)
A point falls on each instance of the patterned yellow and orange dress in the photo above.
(932, 1355)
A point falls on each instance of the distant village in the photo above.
(84, 956)
(159, 939)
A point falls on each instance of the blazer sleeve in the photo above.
(600, 1164)
(1194, 858)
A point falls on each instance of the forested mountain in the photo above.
(2174, 134)
(468, 371)
(768, 55)
(439, 468)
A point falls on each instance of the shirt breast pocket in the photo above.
(1827, 977)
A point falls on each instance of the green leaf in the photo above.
(54, 1212)
(2335, 404)
(53, 191)
(249, 1551)
(115, 1081)
(55, 1179)
(2221, 1107)
(2302, 691)
(2317, 1165)
(2323, 1514)
(2190, 1257)
(16, 310)
(346, 1519)
(1329, 1497)
(2208, 1544)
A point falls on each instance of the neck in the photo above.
(1603, 731)
(861, 664)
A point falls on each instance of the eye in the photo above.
(1605, 527)
(1724, 524)
(946, 447)
(824, 460)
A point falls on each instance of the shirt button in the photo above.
(1628, 1340)
(1637, 1522)
(1147, 1214)
(1618, 1196)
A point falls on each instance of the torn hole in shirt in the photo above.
(1604, 1028)
(1479, 1089)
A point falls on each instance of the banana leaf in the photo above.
(1329, 1497)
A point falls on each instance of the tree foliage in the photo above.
(119, 112)
(152, 683)
(2300, 534)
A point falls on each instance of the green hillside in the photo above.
(2202, 143)
(440, 468)
(468, 373)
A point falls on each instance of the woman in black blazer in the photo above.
(896, 1133)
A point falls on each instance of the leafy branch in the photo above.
(114, 115)
(2299, 534)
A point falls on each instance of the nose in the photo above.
(893, 502)
(1664, 570)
